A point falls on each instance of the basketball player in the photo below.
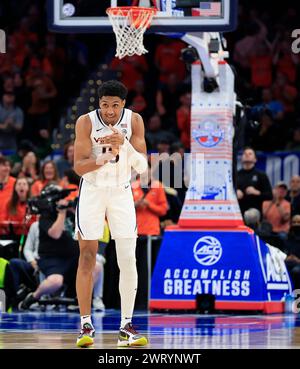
(109, 142)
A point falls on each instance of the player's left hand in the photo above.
(116, 139)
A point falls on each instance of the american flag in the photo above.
(207, 9)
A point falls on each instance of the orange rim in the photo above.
(135, 13)
(134, 9)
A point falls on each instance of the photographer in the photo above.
(58, 252)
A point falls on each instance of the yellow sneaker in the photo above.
(86, 336)
(129, 337)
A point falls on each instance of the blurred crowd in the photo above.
(267, 74)
(42, 71)
(39, 73)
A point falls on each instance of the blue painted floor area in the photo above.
(190, 324)
(108, 321)
(170, 330)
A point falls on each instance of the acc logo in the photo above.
(208, 134)
(207, 250)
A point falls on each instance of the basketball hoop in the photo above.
(129, 24)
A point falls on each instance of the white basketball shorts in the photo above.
(96, 203)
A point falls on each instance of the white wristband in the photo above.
(137, 160)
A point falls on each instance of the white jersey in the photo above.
(117, 172)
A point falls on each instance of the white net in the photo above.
(129, 25)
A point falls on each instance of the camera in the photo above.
(47, 202)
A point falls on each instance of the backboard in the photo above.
(78, 16)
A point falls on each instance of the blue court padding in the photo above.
(236, 267)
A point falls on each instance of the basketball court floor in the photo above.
(58, 330)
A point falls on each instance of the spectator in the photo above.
(183, 114)
(253, 186)
(53, 59)
(14, 57)
(132, 68)
(43, 91)
(77, 65)
(246, 47)
(8, 84)
(285, 60)
(167, 59)
(171, 171)
(293, 195)
(252, 219)
(24, 147)
(268, 103)
(23, 34)
(163, 146)
(70, 181)
(150, 203)
(160, 162)
(294, 145)
(268, 137)
(16, 209)
(167, 102)
(293, 251)
(11, 122)
(6, 183)
(285, 92)
(67, 161)
(137, 99)
(290, 17)
(155, 134)
(174, 208)
(48, 174)
(30, 167)
(278, 211)
(261, 65)
(22, 93)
